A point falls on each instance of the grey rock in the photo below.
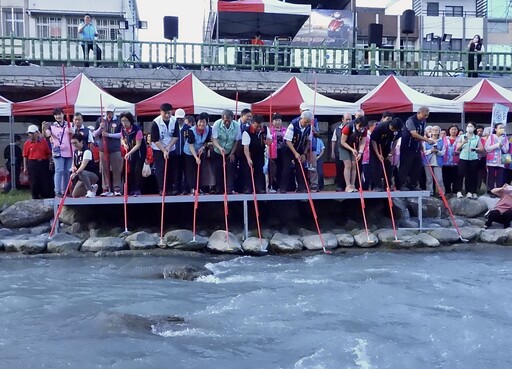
(26, 213)
(345, 240)
(40, 229)
(408, 223)
(285, 244)
(467, 207)
(427, 240)
(185, 272)
(252, 246)
(361, 240)
(470, 233)
(490, 202)
(387, 236)
(479, 223)
(32, 245)
(141, 241)
(218, 243)
(114, 232)
(495, 236)
(63, 243)
(305, 232)
(432, 207)
(5, 232)
(445, 223)
(182, 239)
(445, 236)
(103, 244)
(93, 233)
(313, 242)
(399, 208)
(73, 214)
(73, 229)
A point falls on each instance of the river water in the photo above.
(376, 310)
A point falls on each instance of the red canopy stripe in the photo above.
(389, 97)
(284, 102)
(485, 98)
(245, 6)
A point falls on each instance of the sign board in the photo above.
(329, 28)
(499, 115)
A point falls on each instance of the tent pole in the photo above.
(463, 121)
(13, 153)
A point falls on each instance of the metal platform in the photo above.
(245, 199)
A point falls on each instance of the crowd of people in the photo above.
(229, 153)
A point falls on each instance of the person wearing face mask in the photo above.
(451, 162)
(468, 147)
(434, 157)
(198, 138)
(275, 153)
(495, 146)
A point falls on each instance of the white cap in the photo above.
(180, 113)
(303, 106)
(32, 129)
(111, 107)
(90, 128)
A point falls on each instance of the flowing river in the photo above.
(374, 310)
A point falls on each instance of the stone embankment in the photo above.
(27, 226)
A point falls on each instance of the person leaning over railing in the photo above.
(87, 31)
(475, 48)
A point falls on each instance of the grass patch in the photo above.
(14, 196)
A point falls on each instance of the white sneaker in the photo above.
(91, 194)
(95, 188)
(107, 194)
(475, 196)
(459, 195)
(271, 190)
(469, 195)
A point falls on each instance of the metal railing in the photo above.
(233, 56)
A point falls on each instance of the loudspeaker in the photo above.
(408, 21)
(375, 34)
(170, 27)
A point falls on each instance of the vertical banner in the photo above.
(499, 115)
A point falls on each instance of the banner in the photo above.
(325, 27)
(499, 115)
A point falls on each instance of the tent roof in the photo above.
(243, 18)
(481, 97)
(83, 96)
(397, 97)
(191, 95)
(5, 107)
(287, 99)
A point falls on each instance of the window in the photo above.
(12, 22)
(49, 27)
(433, 9)
(454, 11)
(72, 27)
(107, 28)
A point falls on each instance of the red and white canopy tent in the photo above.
(395, 96)
(287, 99)
(243, 18)
(5, 107)
(481, 97)
(191, 95)
(83, 96)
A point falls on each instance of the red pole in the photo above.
(61, 205)
(125, 195)
(163, 206)
(67, 107)
(105, 148)
(226, 210)
(362, 200)
(388, 190)
(256, 210)
(196, 202)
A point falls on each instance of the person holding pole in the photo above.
(254, 140)
(225, 136)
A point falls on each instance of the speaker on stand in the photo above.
(375, 34)
(171, 32)
(408, 25)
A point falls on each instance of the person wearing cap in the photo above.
(180, 182)
(108, 135)
(59, 134)
(36, 163)
(255, 140)
(164, 135)
(18, 155)
(78, 127)
(87, 32)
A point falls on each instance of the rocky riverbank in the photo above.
(27, 226)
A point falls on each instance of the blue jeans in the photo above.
(61, 178)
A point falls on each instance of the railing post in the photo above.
(13, 57)
(119, 52)
(372, 56)
(68, 52)
(174, 52)
(41, 52)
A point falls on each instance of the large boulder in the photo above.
(283, 243)
(26, 245)
(362, 240)
(496, 236)
(427, 240)
(387, 236)
(26, 213)
(490, 202)
(218, 243)
(103, 244)
(183, 239)
(313, 242)
(467, 207)
(73, 214)
(63, 243)
(345, 239)
(445, 236)
(185, 272)
(141, 241)
(400, 210)
(252, 245)
(432, 207)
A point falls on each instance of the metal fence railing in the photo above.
(230, 56)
